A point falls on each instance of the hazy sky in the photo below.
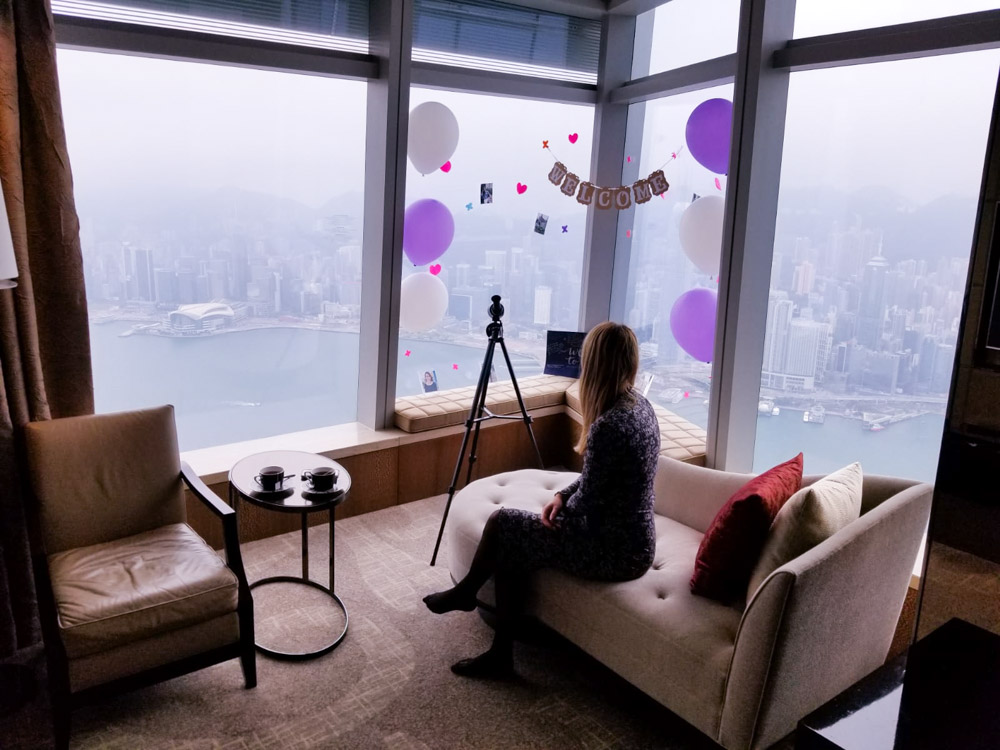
(917, 126)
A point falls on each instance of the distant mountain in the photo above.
(190, 217)
(942, 227)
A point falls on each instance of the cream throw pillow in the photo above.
(811, 515)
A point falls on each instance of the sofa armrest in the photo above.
(692, 495)
(822, 621)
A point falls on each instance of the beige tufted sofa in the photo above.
(679, 438)
(743, 675)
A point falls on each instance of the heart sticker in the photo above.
(718, 185)
(435, 269)
(521, 188)
(446, 167)
(573, 137)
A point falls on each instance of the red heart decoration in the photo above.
(521, 188)
(446, 167)
(435, 269)
(573, 137)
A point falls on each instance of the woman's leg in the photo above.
(462, 596)
(498, 661)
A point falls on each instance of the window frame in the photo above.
(766, 54)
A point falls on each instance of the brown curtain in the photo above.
(44, 339)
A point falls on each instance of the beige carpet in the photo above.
(388, 685)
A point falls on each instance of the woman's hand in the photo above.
(550, 511)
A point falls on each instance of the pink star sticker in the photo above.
(454, 367)
(406, 353)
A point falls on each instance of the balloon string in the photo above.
(673, 156)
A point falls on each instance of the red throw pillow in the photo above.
(732, 544)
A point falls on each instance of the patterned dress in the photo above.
(605, 530)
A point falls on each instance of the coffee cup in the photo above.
(271, 478)
(321, 479)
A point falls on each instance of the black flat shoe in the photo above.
(488, 666)
(449, 601)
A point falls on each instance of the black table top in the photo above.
(296, 497)
(943, 694)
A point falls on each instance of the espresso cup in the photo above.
(271, 478)
(321, 479)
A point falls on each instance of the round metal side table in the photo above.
(296, 497)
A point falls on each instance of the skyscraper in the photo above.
(871, 310)
(779, 313)
(807, 339)
(543, 305)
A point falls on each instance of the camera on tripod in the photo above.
(479, 413)
(495, 311)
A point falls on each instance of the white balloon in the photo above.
(423, 302)
(701, 233)
(433, 136)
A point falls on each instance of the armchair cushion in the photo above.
(137, 587)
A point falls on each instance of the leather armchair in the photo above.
(135, 595)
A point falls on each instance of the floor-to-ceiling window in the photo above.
(221, 225)
(482, 216)
(880, 181)
(664, 280)
(515, 234)
(674, 240)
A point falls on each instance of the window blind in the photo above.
(509, 38)
(325, 24)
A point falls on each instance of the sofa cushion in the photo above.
(136, 587)
(812, 514)
(685, 641)
(732, 544)
(429, 411)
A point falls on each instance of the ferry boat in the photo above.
(766, 407)
(816, 415)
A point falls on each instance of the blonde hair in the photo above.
(609, 363)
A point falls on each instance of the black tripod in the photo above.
(479, 413)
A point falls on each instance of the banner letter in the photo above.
(569, 186)
(658, 182)
(557, 173)
(641, 191)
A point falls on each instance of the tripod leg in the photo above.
(478, 401)
(520, 402)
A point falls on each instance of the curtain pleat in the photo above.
(44, 340)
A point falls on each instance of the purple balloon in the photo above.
(428, 229)
(709, 129)
(692, 321)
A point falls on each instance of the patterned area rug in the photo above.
(388, 684)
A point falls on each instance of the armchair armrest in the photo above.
(225, 513)
(212, 501)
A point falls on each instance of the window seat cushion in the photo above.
(680, 439)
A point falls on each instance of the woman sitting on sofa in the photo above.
(600, 527)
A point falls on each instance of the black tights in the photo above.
(509, 591)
